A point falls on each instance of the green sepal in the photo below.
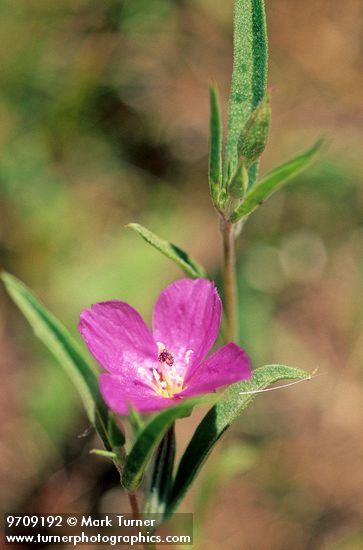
(171, 251)
(274, 180)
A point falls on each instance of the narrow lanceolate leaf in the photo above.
(149, 439)
(249, 74)
(135, 420)
(274, 180)
(61, 344)
(228, 408)
(181, 258)
(215, 153)
(161, 475)
(105, 454)
(116, 436)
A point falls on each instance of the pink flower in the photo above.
(155, 370)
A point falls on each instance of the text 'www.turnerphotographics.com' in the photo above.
(108, 529)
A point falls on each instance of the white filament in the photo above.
(310, 377)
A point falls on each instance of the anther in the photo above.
(166, 357)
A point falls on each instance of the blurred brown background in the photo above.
(104, 120)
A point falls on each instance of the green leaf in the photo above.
(216, 140)
(217, 421)
(150, 437)
(161, 475)
(135, 420)
(249, 74)
(105, 454)
(64, 348)
(115, 434)
(274, 180)
(181, 258)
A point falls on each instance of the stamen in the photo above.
(161, 347)
(188, 354)
(144, 373)
(167, 379)
(166, 357)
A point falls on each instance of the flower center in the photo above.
(167, 379)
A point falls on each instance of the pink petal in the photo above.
(186, 317)
(118, 337)
(227, 365)
(118, 393)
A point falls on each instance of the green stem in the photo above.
(230, 281)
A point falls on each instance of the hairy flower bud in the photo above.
(254, 135)
(239, 184)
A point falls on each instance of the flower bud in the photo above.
(239, 184)
(254, 135)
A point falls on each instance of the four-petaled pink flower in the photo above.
(152, 371)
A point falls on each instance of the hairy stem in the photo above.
(135, 507)
(134, 503)
(230, 281)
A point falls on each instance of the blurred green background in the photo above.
(104, 121)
